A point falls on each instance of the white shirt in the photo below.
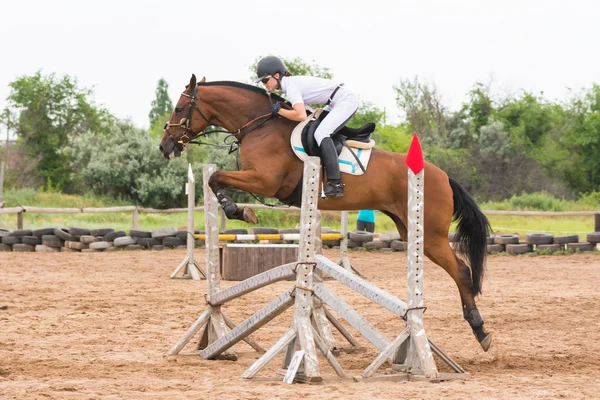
(307, 89)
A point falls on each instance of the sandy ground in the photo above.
(90, 326)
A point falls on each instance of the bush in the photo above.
(126, 164)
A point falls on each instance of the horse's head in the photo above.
(185, 122)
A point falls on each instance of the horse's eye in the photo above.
(178, 109)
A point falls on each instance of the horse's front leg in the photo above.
(250, 181)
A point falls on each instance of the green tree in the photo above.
(50, 112)
(424, 110)
(162, 104)
(572, 151)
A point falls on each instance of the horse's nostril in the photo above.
(160, 147)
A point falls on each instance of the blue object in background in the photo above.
(366, 215)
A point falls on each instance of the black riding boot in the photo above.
(334, 187)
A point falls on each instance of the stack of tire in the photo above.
(92, 240)
(387, 241)
(541, 243)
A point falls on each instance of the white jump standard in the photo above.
(310, 332)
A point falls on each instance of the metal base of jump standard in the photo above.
(310, 332)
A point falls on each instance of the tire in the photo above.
(11, 240)
(164, 232)
(100, 245)
(360, 236)
(31, 240)
(352, 244)
(76, 245)
(45, 249)
(158, 247)
(593, 237)
(64, 234)
(124, 241)
(109, 237)
(331, 243)
(172, 242)
(539, 238)
(148, 242)
(519, 248)
(101, 231)
(79, 231)
(506, 239)
(23, 247)
(398, 245)
(4, 232)
(136, 233)
(133, 247)
(43, 231)
(87, 239)
(265, 231)
(566, 239)
(289, 230)
(583, 246)
(22, 232)
(52, 241)
(5, 247)
(182, 234)
(495, 248)
(238, 231)
(374, 245)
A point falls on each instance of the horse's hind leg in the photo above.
(438, 250)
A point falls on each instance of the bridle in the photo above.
(189, 134)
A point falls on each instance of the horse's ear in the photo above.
(203, 79)
(192, 84)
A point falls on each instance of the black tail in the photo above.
(472, 232)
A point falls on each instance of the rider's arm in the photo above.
(297, 114)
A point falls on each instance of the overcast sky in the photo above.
(122, 48)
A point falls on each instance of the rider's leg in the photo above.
(341, 112)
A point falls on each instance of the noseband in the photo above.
(189, 134)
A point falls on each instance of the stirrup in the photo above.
(334, 189)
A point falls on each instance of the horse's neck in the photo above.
(233, 107)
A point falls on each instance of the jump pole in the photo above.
(192, 269)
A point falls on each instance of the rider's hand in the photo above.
(275, 108)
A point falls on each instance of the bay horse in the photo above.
(271, 169)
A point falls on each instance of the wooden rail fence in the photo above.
(20, 210)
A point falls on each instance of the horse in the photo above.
(271, 169)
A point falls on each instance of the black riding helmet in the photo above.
(269, 66)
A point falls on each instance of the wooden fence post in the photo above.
(597, 222)
(135, 218)
(20, 220)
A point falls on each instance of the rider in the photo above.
(340, 101)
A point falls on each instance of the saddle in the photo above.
(359, 138)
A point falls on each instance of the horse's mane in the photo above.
(241, 85)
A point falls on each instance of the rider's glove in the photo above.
(275, 108)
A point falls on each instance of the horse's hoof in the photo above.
(250, 216)
(486, 342)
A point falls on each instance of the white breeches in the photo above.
(341, 109)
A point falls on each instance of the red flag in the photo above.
(414, 157)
